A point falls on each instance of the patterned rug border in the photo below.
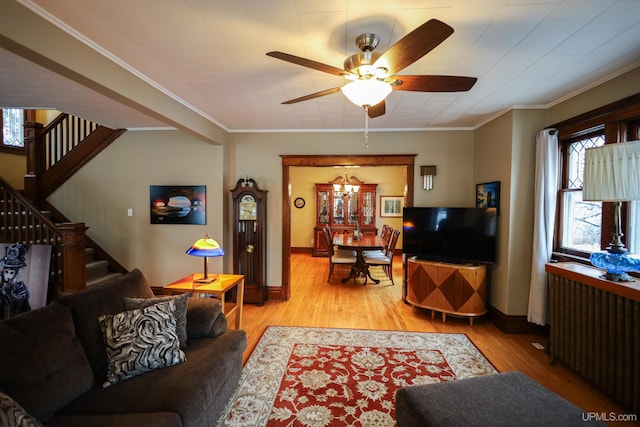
(277, 357)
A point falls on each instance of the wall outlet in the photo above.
(129, 212)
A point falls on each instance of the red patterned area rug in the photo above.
(320, 377)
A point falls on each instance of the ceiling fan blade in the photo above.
(434, 83)
(414, 46)
(308, 63)
(377, 110)
(314, 95)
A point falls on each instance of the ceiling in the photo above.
(209, 55)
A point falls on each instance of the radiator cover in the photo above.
(595, 330)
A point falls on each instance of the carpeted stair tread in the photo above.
(102, 278)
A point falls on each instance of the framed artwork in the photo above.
(391, 206)
(178, 204)
(24, 279)
(488, 195)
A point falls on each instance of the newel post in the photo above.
(34, 146)
(73, 256)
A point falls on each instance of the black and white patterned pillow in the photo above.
(140, 340)
(181, 311)
(12, 414)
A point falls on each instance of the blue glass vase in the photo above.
(616, 264)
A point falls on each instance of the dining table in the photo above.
(359, 245)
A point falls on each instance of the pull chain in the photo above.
(366, 126)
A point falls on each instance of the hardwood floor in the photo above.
(316, 303)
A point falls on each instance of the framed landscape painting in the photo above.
(178, 204)
(488, 195)
(391, 206)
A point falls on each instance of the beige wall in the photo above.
(390, 180)
(13, 168)
(492, 162)
(46, 116)
(505, 152)
(526, 123)
(119, 179)
(258, 156)
(621, 87)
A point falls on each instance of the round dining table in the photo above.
(364, 243)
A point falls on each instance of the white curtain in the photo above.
(545, 192)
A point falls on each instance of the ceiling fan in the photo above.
(373, 76)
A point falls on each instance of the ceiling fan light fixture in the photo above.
(366, 92)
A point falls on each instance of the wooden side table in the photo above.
(223, 284)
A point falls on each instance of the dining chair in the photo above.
(337, 250)
(386, 260)
(340, 257)
(385, 234)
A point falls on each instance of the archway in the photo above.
(288, 161)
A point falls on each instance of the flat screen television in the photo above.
(454, 235)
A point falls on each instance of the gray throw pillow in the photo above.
(140, 340)
(12, 414)
(181, 311)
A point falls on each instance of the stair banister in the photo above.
(73, 256)
(22, 222)
(34, 145)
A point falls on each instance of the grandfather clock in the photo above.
(250, 238)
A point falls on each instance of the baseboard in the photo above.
(274, 293)
(301, 250)
(514, 324)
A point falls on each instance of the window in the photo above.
(12, 128)
(580, 220)
(585, 227)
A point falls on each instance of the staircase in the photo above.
(97, 270)
(98, 264)
(54, 154)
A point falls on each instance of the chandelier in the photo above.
(346, 187)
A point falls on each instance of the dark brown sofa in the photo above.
(53, 363)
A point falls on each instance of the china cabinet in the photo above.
(344, 209)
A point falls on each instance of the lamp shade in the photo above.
(206, 247)
(612, 173)
(366, 92)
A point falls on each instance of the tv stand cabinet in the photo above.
(447, 288)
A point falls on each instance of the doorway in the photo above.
(289, 161)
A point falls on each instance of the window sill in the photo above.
(591, 276)
(13, 150)
(560, 257)
(564, 257)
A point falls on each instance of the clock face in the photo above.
(248, 208)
